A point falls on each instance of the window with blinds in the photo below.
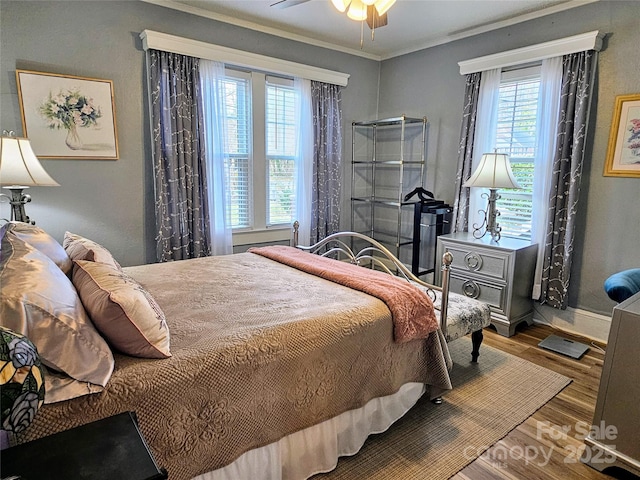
(238, 112)
(516, 136)
(280, 153)
(261, 149)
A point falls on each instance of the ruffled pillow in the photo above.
(39, 301)
(124, 312)
(81, 248)
(42, 241)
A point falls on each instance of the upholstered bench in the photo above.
(466, 316)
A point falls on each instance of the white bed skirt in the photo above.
(316, 449)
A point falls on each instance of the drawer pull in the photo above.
(473, 261)
(471, 289)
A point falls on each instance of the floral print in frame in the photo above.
(623, 155)
(66, 116)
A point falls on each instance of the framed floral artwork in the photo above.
(65, 116)
(623, 155)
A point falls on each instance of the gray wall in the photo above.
(112, 201)
(428, 82)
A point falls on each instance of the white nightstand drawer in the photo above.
(489, 293)
(485, 262)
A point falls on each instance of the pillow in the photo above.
(41, 240)
(124, 312)
(80, 248)
(40, 302)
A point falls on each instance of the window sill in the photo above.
(249, 237)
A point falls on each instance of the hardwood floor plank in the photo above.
(558, 428)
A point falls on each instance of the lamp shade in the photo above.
(382, 6)
(341, 5)
(21, 381)
(357, 11)
(20, 166)
(494, 171)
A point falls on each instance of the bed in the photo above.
(272, 372)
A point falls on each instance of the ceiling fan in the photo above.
(374, 12)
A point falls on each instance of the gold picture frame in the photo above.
(623, 154)
(66, 116)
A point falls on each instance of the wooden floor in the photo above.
(549, 444)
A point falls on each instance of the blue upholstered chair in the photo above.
(623, 285)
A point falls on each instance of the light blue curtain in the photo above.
(548, 109)
(304, 158)
(219, 198)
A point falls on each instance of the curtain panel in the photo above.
(460, 219)
(182, 216)
(215, 133)
(327, 165)
(578, 74)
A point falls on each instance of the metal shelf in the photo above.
(378, 182)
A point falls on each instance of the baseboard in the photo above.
(574, 320)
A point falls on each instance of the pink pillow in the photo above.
(124, 312)
(39, 301)
(81, 248)
(42, 241)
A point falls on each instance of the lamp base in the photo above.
(17, 201)
(489, 224)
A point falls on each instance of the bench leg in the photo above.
(476, 341)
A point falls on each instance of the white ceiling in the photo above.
(412, 24)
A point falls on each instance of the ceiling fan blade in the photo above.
(287, 3)
(373, 19)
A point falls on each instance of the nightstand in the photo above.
(497, 273)
(111, 448)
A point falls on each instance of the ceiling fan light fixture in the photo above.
(357, 11)
(368, 2)
(383, 6)
(341, 5)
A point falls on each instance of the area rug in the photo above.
(488, 400)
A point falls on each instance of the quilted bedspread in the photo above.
(259, 350)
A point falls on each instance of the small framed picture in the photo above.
(623, 155)
(69, 117)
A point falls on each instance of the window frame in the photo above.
(259, 230)
(519, 74)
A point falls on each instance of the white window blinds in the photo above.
(238, 112)
(516, 136)
(280, 153)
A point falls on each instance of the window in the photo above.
(281, 152)
(237, 107)
(261, 144)
(516, 136)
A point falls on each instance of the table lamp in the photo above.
(21, 383)
(493, 172)
(20, 169)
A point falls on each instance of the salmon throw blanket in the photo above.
(411, 309)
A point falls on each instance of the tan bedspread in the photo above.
(260, 350)
(411, 309)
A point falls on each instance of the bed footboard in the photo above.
(376, 255)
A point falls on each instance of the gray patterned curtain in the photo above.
(578, 74)
(326, 104)
(182, 215)
(465, 152)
